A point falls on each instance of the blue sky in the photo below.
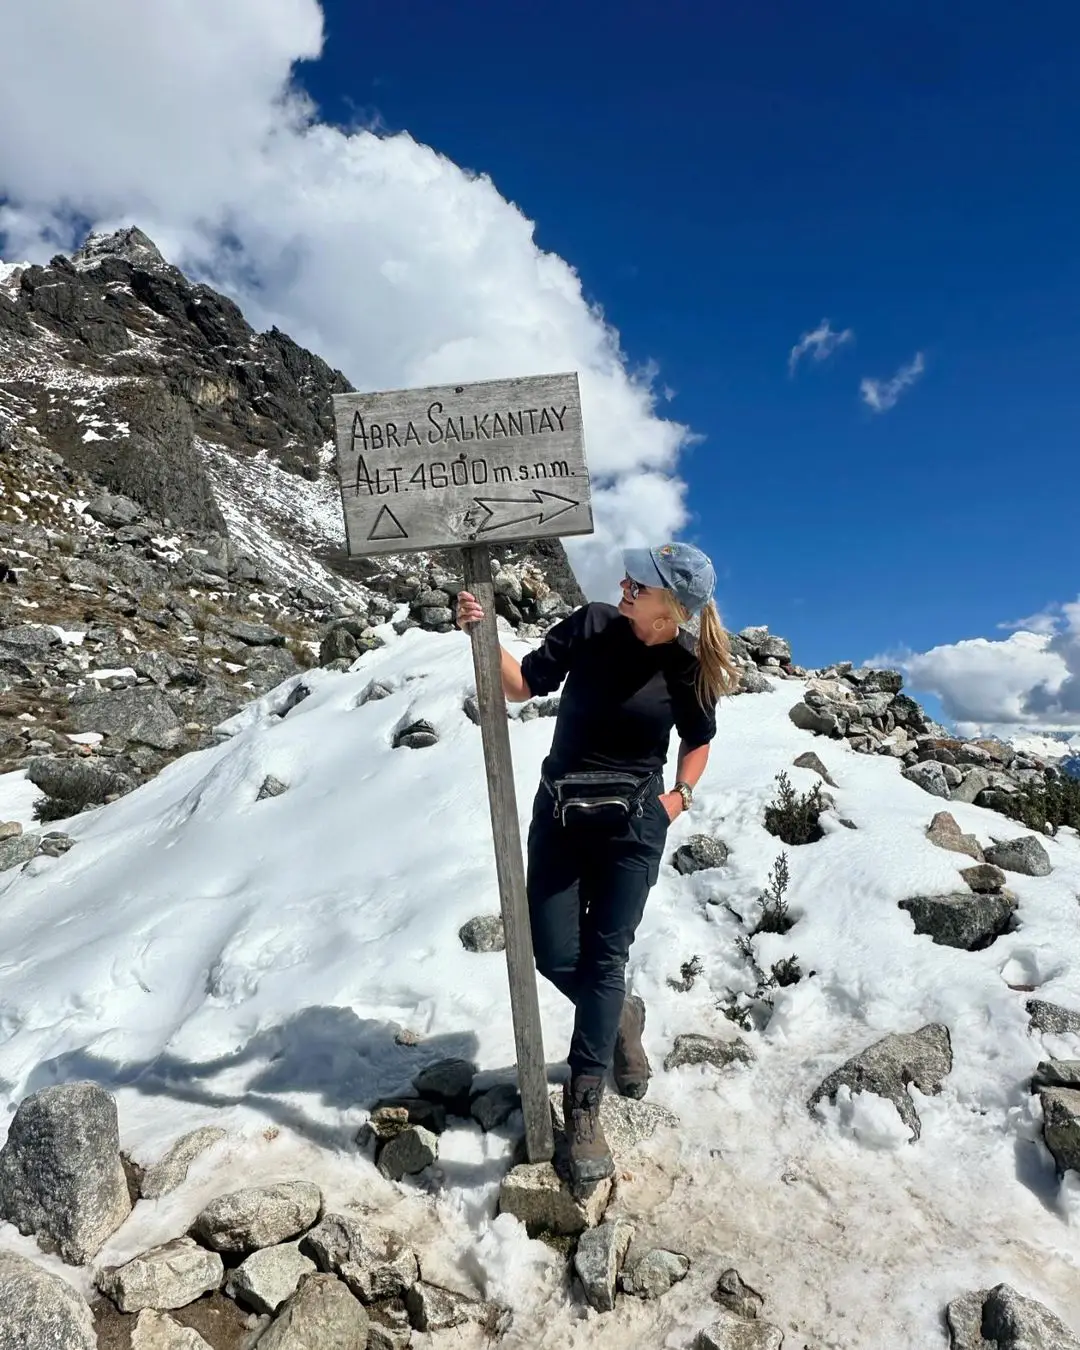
(723, 178)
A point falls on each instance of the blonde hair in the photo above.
(717, 672)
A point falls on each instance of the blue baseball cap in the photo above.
(680, 568)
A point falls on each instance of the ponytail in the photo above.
(717, 673)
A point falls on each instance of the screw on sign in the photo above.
(466, 466)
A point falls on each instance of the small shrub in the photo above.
(794, 818)
(689, 971)
(302, 654)
(774, 917)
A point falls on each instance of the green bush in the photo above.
(774, 916)
(1055, 803)
(794, 818)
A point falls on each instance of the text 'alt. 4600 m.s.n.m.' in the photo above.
(496, 461)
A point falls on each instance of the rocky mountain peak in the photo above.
(130, 245)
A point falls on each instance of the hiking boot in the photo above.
(631, 1067)
(590, 1157)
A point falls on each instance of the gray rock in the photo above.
(733, 1333)
(1061, 1126)
(963, 920)
(436, 616)
(448, 1082)
(269, 1277)
(655, 1273)
(626, 1122)
(31, 640)
(535, 1194)
(485, 933)
(432, 1308)
(953, 776)
(946, 833)
(40, 1311)
(1025, 855)
(389, 1329)
(1052, 1019)
(387, 1122)
(1051, 1073)
(18, 850)
(55, 844)
(170, 1276)
(598, 1260)
(752, 682)
(984, 878)
(754, 636)
(10, 829)
(376, 1265)
(879, 681)
(82, 782)
(321, 1315)
(495, 1107)
(254, 634)
(338, 645)
(820, 721)
(158, 1331)
(416, 736)
(114, 510)
(421, 1111)
(808, 760)
(61, 1178)
(271, 787)
(930, 776)
(976, 780)
(409, 1153)
(142, 714)
(922, 1057)
(699, 853)
(170, 1171)
(1002, 1319)
(692, 1048)
(737, 1296)
(259, 1216)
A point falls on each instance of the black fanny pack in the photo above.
(599, 798)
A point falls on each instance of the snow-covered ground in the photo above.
(216, 959)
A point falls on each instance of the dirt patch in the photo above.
(217, 1319)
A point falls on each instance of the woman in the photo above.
(601, 814)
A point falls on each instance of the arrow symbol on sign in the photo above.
(504, 511)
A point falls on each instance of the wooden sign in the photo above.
(454, 465)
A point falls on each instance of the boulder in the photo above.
(384, 1123)
(821, 721)
(432, 1308)
(737, 1296)
(271, 787)
(922, 1057)
(321, 1315)
(269, 1277)
(598, 1259)
(170, 1276)
(655, 1273)
(82, 782)
(259, 1216)
(420, 1111)
(808, 760)
(40, 1311)
(494, 1107)
(376, 1265)
(253, 634)
(962, 919)
(142, 714)
(416, 736)
(408, 1153)
(30, 640)
(930, 776)
(485, 933)
(733, 1333)
(1056, 1073)
(699, 853)
(18, 849)
(1061, 1126)
(535, 1194)
(61, 1178)
(984, 878)
(1002, 1319)
(114, 510)
(158, 1331)
(1052, 1019)
(448, 1082)
(691, 1048)
(338, 645)
(1025, 855)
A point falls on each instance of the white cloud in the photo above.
(881, 395)
(1029, 680)
(386, 258)
(819, 344)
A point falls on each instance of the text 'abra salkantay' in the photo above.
(438, 427)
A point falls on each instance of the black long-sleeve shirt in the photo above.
(622, 697)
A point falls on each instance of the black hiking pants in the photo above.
(587, 886)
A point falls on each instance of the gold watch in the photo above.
(686, 792)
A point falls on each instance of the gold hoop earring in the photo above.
(659, 625)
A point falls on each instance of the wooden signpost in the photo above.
(468, 466)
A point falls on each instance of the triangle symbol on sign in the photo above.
(387, 526)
